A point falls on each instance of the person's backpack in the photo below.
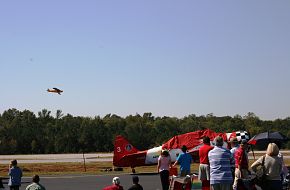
(260, 174)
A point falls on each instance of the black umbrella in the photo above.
(265, 138)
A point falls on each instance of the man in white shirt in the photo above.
(35, 184)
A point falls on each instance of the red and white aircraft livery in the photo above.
(126, 155)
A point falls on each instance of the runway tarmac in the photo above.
(79, 182)
(90, 157)
(93, 182)
(52, 158)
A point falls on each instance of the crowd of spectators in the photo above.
(15, 175)
(222, 167)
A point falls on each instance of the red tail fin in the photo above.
(122, 147)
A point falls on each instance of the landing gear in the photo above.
(133, 170)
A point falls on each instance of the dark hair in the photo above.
(35, 178)
(14, 162)
(219, 141)
(206, 140)
(135, 179)
(165, 153)
(183, 148)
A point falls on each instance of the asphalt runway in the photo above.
(93, 182)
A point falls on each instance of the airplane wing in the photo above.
(191, 139)
(56, 89)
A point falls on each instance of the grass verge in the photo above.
(92, 168)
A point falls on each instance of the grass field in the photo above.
(78, 168)
(59, 168)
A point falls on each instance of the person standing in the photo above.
(241, 163)
(234, 147)
(164, 163)
(204, 174)
(15, 174)
(35, 184)
(285, 170)
(272, 166)
(220, 166)
(136, 185)
(184, 159)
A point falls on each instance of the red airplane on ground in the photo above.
(126, 155)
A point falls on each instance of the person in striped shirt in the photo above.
(220, 160)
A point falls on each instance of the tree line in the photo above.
(23, 132)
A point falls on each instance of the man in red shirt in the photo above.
(116, 185)
(241, 163)
(204, 163)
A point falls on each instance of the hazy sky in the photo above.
(171, 58)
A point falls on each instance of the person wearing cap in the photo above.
(203, 173)
(35, 184)
(116, 185)
(220, 160)
(234, 147)
(136, 185)
(163, 165)
(184, 159)
(241, 163)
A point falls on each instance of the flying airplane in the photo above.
(126, 155)
(55, 90)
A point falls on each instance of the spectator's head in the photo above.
(135, 179)
(35, 179)
(165, 153)
(13, 162)
(184, 148)
(234, 141)
(272, 149)
(206, 140)
(116, 181)
(244, 143)
(219, 141)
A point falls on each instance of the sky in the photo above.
(170, 58)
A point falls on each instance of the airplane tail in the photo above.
(122, 147)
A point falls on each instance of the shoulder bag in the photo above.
(260, 174)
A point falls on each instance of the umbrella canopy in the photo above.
(267, 137)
